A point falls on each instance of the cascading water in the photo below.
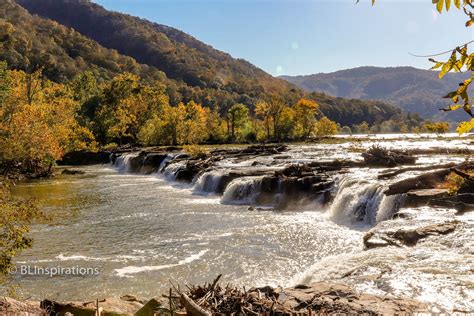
(362, 201)
(164, 163)
(243, 190)
(209, 181)
(123, 162)
(171, 169)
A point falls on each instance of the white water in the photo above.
(122, 164)
(242, 191)
(209, 181)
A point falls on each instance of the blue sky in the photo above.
(297, 37)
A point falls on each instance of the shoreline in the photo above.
(319, 298)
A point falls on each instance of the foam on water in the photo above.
(127, 271)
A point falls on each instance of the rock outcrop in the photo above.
(406, 237)
(325, 298)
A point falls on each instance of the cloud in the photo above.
(295, 45)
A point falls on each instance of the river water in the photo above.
(140, 231)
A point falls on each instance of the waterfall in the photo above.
(164, 163)
(123, 163)
(362, 201)
(243, 190)
(170, 170)
(209, 182)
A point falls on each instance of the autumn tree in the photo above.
(237, 116)
(305, 115)
(262, 110)
(36, 135)
(325, 127)
(434, 127)
(277, 106)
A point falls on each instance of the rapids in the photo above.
(141, 229)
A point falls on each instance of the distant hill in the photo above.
(67, 37)
(179, 55)
(414, 90)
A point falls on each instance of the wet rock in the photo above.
(422, 197)
(295, 170)
(151, 162)
(72, 172)
(333, 298)
(78, 158)
(424, 181)
(406, 237)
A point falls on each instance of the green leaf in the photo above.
(465, 127)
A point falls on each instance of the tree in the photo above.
(434, 127)
(459, 60)
(325, 127)
(262, 110)
(362, 128)
(237, 116)
(15, 217)
(276, 109)
(306, 111)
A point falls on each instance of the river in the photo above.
(139, 231)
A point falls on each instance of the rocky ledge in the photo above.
(321, 298)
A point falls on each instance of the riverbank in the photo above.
(320, 298)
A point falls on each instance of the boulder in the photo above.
(422, 197)
(406, 237)
(424, 181)
(326, 298)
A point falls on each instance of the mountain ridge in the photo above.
(64, 51)
(412, 89)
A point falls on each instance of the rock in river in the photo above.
(406, 237)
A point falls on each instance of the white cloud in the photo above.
(295, 45)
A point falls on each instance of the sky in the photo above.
(300, 37)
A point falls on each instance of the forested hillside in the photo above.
(203, 74)
(414, 90)
(178, 54)
(107, 44)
